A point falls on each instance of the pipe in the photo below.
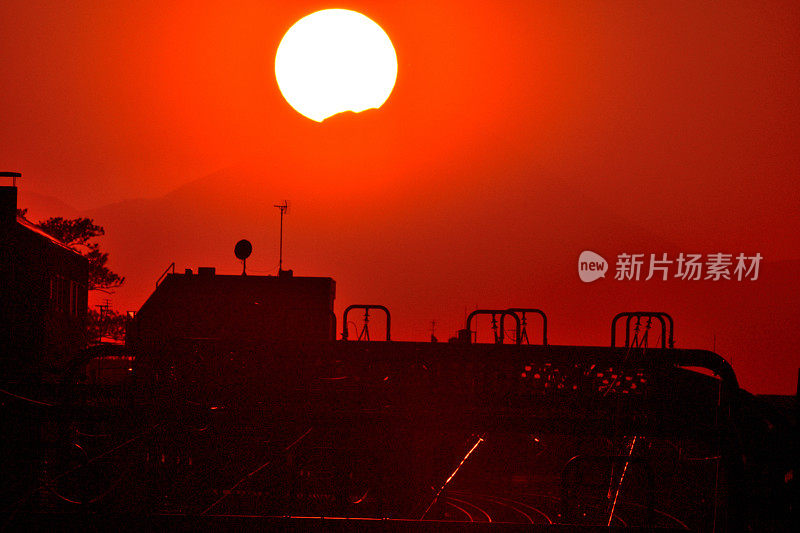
(647, 315)
(367, 307)
(524, 310)
(667, 337)
(503, 313)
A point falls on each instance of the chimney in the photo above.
(8, 199)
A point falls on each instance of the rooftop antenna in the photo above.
(283, 207)
(242, 250)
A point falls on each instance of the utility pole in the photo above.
(283, 207)
(103, 320)
(104, 307)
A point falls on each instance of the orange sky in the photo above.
(512, 128)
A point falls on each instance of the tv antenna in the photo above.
(242, 250)
(283, 208)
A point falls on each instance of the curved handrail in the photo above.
(667, 333)
(503, 313)
(366, 308)
(171, 268)
(649, 317)
(524, 310)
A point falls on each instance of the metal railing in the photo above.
(169, 270)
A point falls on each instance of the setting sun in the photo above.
(335, 60)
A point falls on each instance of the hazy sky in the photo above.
(679, 118)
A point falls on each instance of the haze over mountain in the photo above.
(429, 256)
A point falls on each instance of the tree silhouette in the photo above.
(106, 323)
(79, 233)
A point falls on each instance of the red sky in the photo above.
(518, 134)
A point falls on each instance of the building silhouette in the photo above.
(43, 294)
(206, 307)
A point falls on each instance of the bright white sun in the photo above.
(335, 60)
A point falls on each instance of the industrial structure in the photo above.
(206, 306)
(241, 409)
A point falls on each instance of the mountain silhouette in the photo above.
(430, 256)
(431, 243)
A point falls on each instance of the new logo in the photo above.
(591, 266)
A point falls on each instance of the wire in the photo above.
(24, 398)
(628, 353)
(435, 498)
(273, 269)
(254, 472)
(22, 500)
(621, 479)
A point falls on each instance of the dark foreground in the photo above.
(398, 437)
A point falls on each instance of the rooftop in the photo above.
(39, 231)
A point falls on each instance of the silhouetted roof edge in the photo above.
(25, 223)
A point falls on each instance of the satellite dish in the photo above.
(242, 250)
